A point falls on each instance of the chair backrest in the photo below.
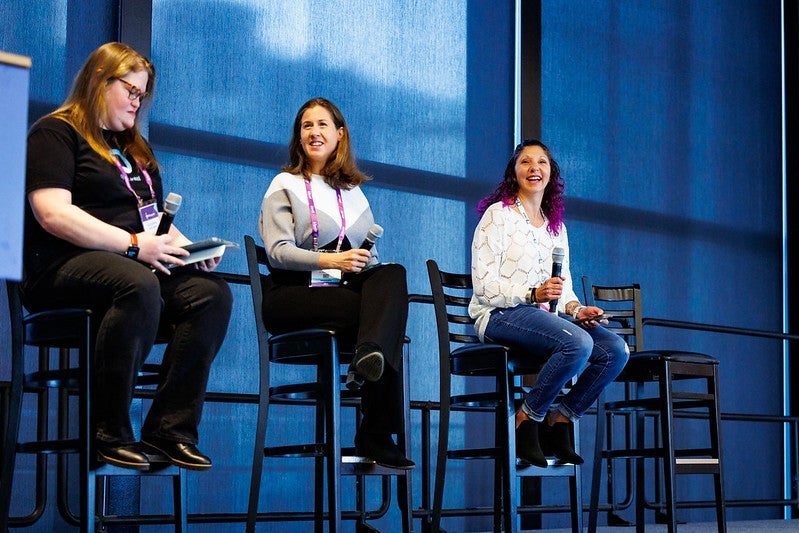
(623, 305)
(256, 258)
(452, 293)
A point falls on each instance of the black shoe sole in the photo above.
(396, 467)
(177, 462)
(122, 464)
(370, 366)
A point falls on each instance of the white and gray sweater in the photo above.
(285, 221)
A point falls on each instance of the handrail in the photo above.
(679, 324)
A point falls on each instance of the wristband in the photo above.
(133, 249)
(531, 298)
(577, 311)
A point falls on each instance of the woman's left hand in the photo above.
(209, 264)
(588, 311)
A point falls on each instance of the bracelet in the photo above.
(530, 296)
(577, 310)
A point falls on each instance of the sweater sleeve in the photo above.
(276, 225)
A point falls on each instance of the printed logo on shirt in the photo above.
(125, 164)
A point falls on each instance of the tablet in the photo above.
(206, 249)
(210, 242)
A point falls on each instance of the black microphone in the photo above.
(171, 206)
(375, 232)
(557, 266)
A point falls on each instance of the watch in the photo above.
(133, 249)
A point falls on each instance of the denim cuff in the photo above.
(530, 414)
(565, 411)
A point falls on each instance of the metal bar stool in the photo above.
(64, 329)
(673, 372)
(319, 348)
(451, 296)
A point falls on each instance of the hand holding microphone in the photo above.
(357, 254)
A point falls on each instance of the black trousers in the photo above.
(189, 308)
(371, 306)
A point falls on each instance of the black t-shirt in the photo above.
(58, 157)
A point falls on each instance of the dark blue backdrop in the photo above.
(664, 116)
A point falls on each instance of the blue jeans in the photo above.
(567, 349)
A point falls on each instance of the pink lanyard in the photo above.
(124, 175)
(315, 218)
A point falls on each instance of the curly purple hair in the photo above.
(552, 203)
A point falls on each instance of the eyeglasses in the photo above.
(133, 91)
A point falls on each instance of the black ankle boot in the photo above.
(528, 448)
(382, 449)
(556, 440)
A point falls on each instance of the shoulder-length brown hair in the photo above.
(340, 170)
(85, 107)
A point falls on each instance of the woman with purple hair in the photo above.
(520, 231)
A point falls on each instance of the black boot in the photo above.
(380, 447)
(557, 440)
(528, 448)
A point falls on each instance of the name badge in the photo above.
(150, 217)
(329, 277)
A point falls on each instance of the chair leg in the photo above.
(319, 468)
(640, 489)
(11, 432)
(575, 497)
(441, 453)
(404, 486)
(715, 443)
(331, 381)
(87, 458)
(258, 447)
(506, 422)
(596, 472)
(667, 435)
(179, 496)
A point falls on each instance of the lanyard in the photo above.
(315, 218)
(123, 173)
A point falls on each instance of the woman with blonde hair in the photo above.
(94, 195)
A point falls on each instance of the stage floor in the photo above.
(742, 526)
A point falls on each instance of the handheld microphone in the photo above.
(171, 206)
(375, 232)
(557, 267)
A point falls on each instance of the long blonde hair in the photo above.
(85, 107)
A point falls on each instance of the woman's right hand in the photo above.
(156, 251)
(551, 289)
(350, 261)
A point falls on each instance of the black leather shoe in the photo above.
(125, 456)
(528, 448)
(380, 447)
(179, 454)
(557, 440)
(369, 361)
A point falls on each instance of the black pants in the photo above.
(190, 309)
(371, 307)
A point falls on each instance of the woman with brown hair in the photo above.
(313, 218)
